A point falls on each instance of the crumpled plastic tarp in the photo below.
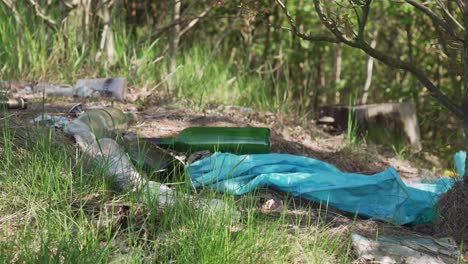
(383, 196)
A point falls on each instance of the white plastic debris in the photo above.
(50, 120)
(105, 87)
(112, 88)
(107, 153)
(411, 250)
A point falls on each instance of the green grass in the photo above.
(55, 207)
(34, 52)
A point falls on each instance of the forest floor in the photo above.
(163, 118)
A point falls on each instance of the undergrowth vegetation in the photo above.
(55, 206)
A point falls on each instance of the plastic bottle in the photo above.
(238, 140)
(101, 123)
(51, 89)
(106, 87)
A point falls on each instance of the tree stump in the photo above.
(396, 118)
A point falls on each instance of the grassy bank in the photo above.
(56, 207)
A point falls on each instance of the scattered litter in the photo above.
(114, 88)
(106, 87)
(92, 131)
(383, 196)
(273, 205)
(411, 250)
(199, 155)
(76, 110)
(103, 122)
(153, 159)
(51, 121)
(10, 103)
(53, 89)
(326, 120)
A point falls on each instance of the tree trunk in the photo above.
(370, 67)
(319, 82)
(107, 38)
(266, 44)
(174, 40)
(337, 72)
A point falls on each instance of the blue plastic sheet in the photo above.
(383, 196)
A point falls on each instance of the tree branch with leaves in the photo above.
(343, 32)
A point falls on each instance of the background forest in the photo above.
(240, 52)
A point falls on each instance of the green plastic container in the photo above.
(238, 140)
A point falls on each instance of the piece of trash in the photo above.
(106, 87)
(240, 140)
(326, 120)
(383, 196)
(103, 122)
(272, 205)
(10, 103)
(76, 110)
(411, 250)
(52, 89)
(199, 155)
(114, 88)
(155, 161)
(49, 120)
(111, 157)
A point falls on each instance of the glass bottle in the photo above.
(238, 140)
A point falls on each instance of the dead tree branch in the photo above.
(40, 13)
(362, 22)
(302, 35)
(439, 21)
(386, 59)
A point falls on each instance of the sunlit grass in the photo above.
(57, 207)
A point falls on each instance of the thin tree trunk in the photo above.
(86, 9)
(370, 67)
(465, 84)
(175, 37)
(319, 79)
(107, 39)
(337, 72)
(266, 44)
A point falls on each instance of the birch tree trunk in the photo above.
(107, 39)
(175, 37)
(337, 72)
(370, 67)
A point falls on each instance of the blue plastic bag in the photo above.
(383, 196)
(460, 158)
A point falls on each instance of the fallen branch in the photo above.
(439, 21)
(300, 34)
